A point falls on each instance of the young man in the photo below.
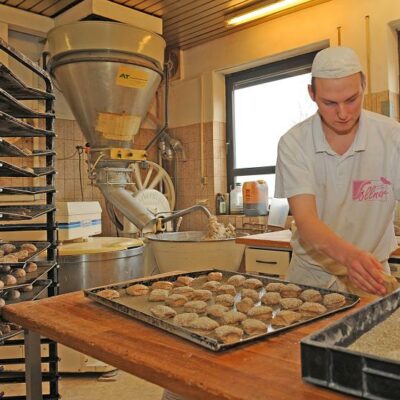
(340, 171)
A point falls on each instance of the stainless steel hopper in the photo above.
(109, 72)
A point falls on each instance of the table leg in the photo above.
(33, 367)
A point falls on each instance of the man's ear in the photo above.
(311, 92)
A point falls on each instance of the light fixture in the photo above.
(262, 11)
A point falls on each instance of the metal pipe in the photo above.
(112, 182)
(185, 211)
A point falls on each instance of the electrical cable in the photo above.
(80, 152)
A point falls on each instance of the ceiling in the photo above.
(187, 23)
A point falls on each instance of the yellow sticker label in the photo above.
(118, 126)
(131, 77)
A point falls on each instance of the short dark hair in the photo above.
(363, 80)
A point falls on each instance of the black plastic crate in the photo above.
(326, 360)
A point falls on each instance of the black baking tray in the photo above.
(10, 170)
(7, 190)
(12, 106)
(31, 277)
(24, 212)
(327, 361)
(14, 86)
(41, 246)
(208, 342)
(8, 149)
(13, 127)
(38, 288)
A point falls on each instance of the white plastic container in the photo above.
(77, 219)
(236, 199)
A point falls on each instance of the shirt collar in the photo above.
(321, 145)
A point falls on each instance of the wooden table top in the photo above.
(265, 369)
(278, 239)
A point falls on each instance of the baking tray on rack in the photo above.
(41, 246)
(138, 307)
(43, 268)
(13, 127)
(26, 190)
(327, 361)
(8, 149)
(12, 106)
(25, 212)
(38, 288)
(11, 170)
(13, 85)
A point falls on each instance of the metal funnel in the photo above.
(108, 72)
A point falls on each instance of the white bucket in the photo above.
(186, 251)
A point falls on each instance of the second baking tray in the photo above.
(139, 308)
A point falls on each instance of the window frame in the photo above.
(257, 75)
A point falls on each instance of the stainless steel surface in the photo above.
(112, 183)
(136, 307)
(88, 78)
(108, 73)
(185, 237)
(83, 271)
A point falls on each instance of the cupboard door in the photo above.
(269, 262)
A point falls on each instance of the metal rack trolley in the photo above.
(12, 90)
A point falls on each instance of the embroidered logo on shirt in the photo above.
(371, 190)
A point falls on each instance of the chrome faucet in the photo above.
(180, 213)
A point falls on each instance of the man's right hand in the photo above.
(365, 272)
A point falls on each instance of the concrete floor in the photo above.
(123, 386)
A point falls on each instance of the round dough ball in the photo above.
(162, 311)
(8, 248)
(30, 247)
(13, 294)
(236, 280)
(18, 272)
(229, 333)
(31, 267)
(244, 305)
(137, 290)
(8, 279)
(215, 276)
(108, 294)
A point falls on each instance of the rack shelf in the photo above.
(10, 170)
(15, 217)
(11, 150)
(16, 88)
(12, 127)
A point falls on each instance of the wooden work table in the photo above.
(266, 369)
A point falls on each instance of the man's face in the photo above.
(339, 102)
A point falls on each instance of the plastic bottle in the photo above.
(236, 199)
(255, 197)
(227, 202)
(220, 206)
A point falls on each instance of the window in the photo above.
(262, 104)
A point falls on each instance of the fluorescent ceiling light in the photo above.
(263, 11)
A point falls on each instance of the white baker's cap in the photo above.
(335, 62)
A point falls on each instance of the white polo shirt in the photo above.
(355, 192)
